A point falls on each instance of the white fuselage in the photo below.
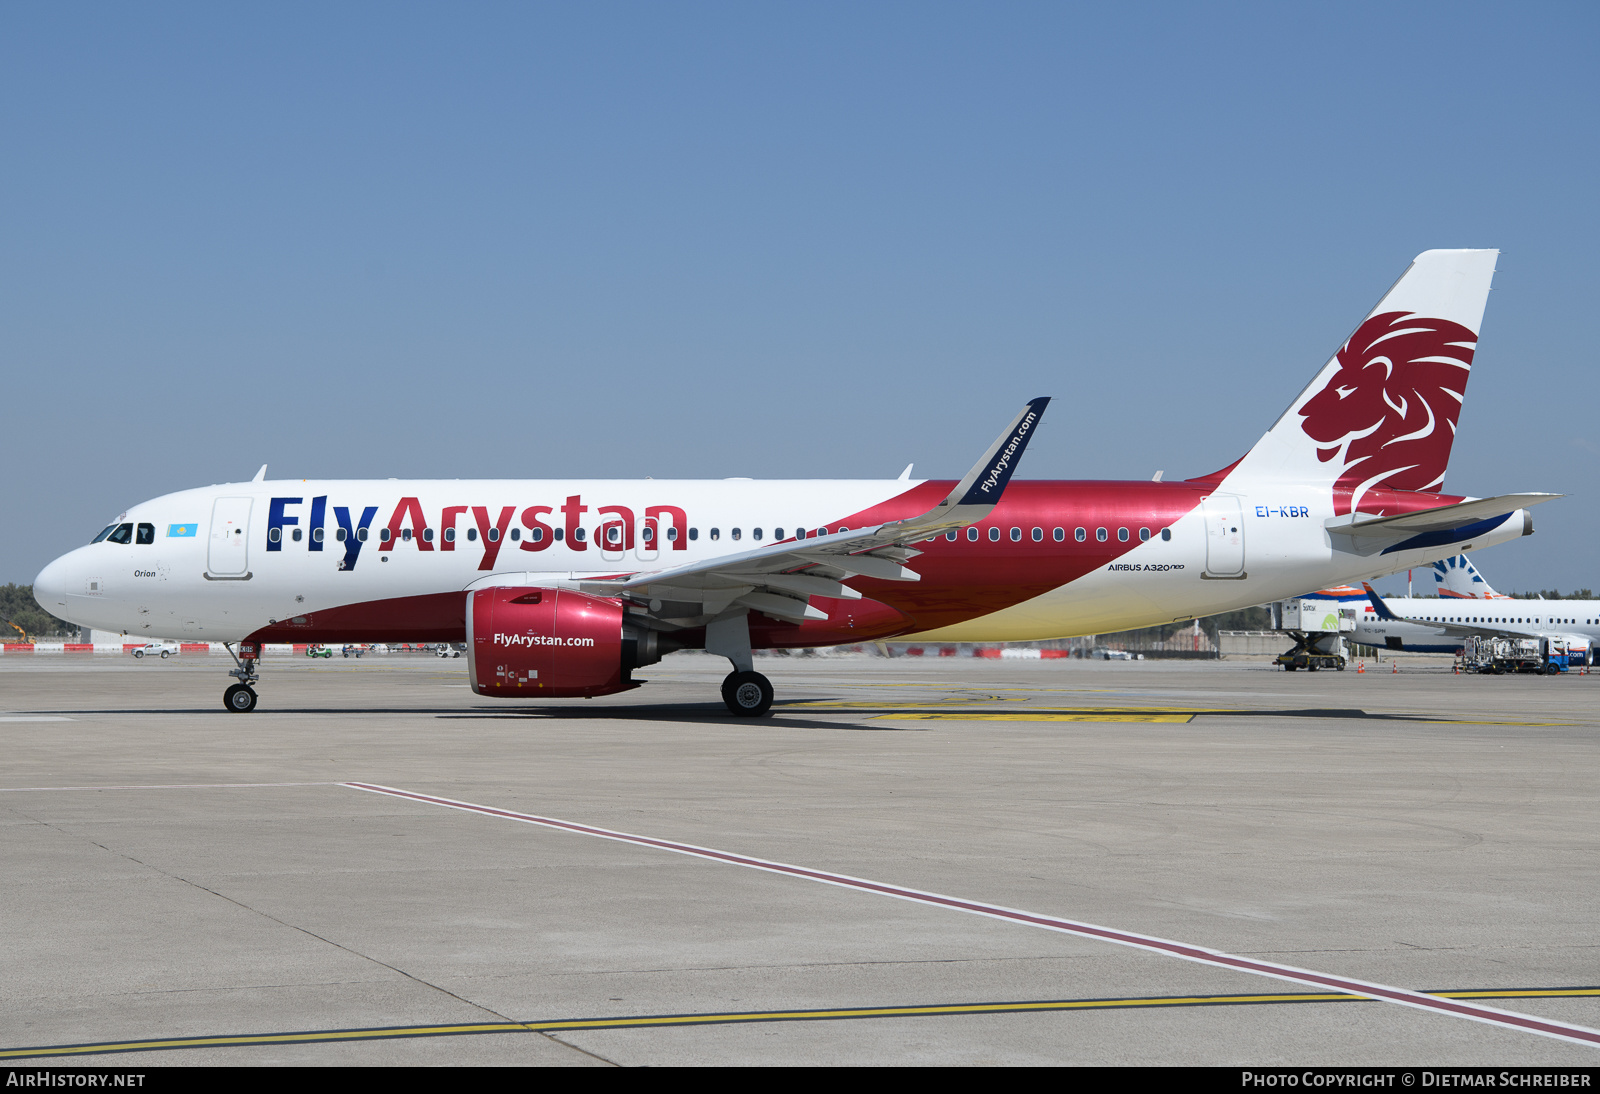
(224, 562)
(1572, 619)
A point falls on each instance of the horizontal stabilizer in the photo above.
(1442, 518)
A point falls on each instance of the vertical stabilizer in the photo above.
(1458, 579)
(1383, 411)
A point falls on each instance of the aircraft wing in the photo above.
(1443, 518)
(780, 578)
(1457, 630)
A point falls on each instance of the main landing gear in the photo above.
(241, 697)
(748, 694)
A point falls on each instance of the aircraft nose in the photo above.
(50, 588)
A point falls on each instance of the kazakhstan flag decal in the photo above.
(180, 530)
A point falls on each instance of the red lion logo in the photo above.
(1389, 412)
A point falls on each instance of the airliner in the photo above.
(1465, 606)
(565, 588)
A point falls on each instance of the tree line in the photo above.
(18, 606)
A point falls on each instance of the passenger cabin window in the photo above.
(296, 535)
(341, 535)
(716, 533)
(994, 535)
(361, 534)
(1144, 535)
(694, 534)
(385, 536)
(492, 535)
(516, 534)
(472, 535)
(317, 534)
(449, 535)
(1038, 535)
(1101, 534)
(756, 534)
(972, 534)
(1122, 535)
(123, 534)
(274, 534)
(737, 533)
(1166, 535)
(578, 534)
(1016, 535)
(427, 535)
(951, 536)
(405, 534)
(147, 533)
(1080, 534)
(1058, 534)
(672, 535)
(777, 533)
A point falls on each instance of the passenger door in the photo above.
(228, 553)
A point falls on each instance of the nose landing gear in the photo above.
(241, 697)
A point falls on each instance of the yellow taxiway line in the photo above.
(1037, 716)
(735, 1017)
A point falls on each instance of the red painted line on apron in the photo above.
(1402, 996)
(158, 786)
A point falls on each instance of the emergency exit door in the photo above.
(1224, 536)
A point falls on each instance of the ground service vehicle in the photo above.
(154, 649)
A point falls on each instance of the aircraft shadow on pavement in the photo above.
(686, 712)
(710, 713)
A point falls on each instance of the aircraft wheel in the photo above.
(240, 699)
(748, 694)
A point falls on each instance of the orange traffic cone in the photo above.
(1361, 666)
(1396, 665)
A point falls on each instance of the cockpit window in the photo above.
(123, 534)
(147, 533)
(106, 531)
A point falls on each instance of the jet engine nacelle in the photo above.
(550, 643)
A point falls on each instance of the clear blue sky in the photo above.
(770, 240)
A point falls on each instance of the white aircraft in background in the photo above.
(563, 588)
(1465, 607)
